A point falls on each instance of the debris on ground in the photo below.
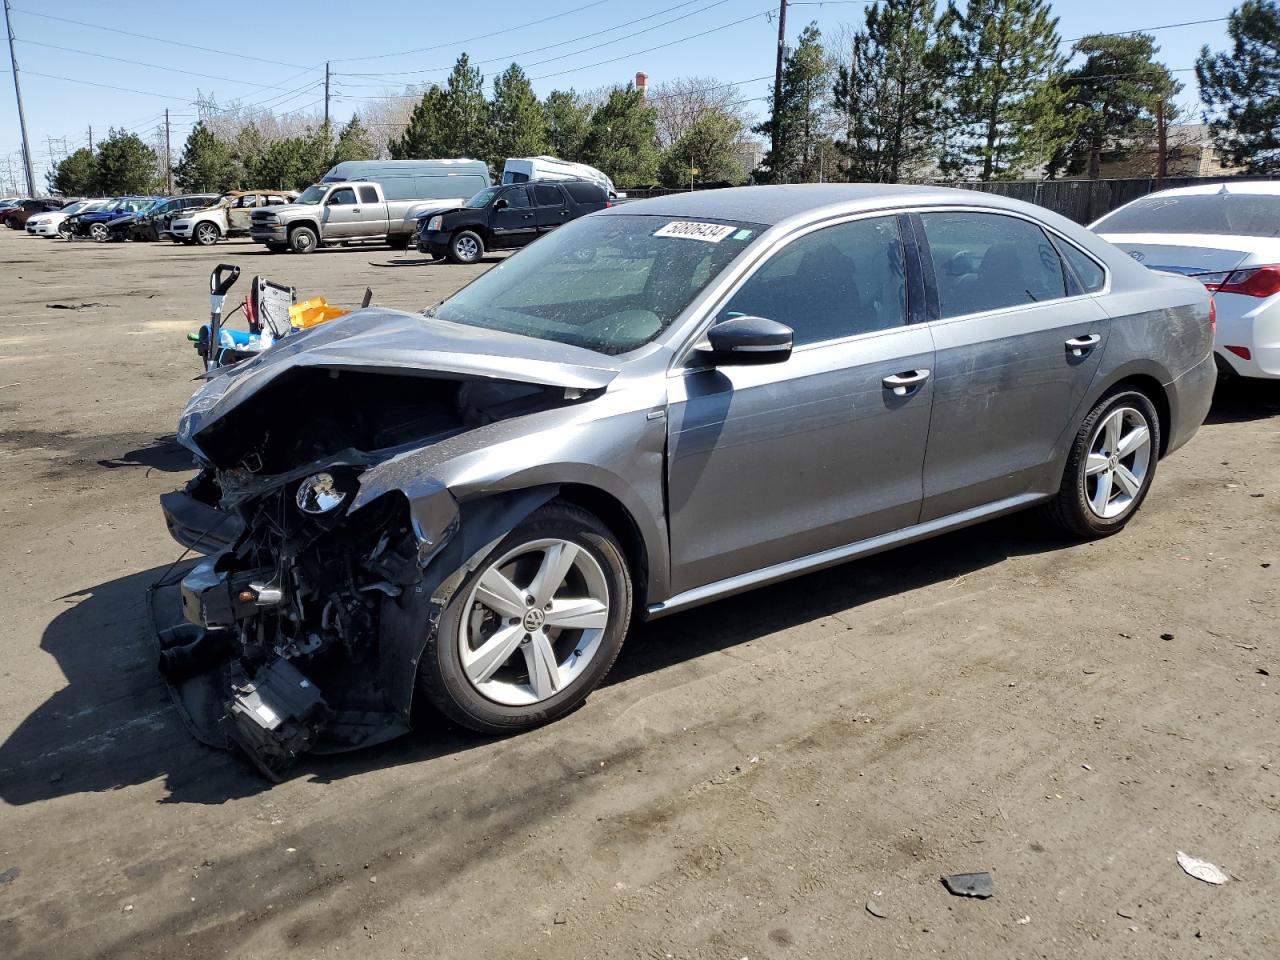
(979, 885)
(1201, 869)
(1023, 921)
(8, 876)
(876, 910)
(1166, 636)
(74, 306)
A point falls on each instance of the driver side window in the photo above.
(342, 198)
(835, 282)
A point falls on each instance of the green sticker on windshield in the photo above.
(743, 234)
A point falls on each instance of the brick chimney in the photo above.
(642, 82)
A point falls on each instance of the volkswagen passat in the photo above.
(655, 406)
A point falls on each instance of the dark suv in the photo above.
(507, 216)
(16, 216)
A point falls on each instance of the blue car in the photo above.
(94, 225)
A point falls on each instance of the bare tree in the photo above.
(680, 102)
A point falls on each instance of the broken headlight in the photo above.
(319, 493)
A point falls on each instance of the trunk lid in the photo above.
(1193, 254)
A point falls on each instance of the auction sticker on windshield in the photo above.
(710, 232)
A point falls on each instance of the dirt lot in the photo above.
(1066, 716)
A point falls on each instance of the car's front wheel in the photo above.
(99, 233)
(466, 247)
(303, 240)
(1111, 466)
(533, 628)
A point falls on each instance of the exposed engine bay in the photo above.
(302, 633)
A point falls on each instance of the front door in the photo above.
(515, 224)
(1018, 343)
(342, 215)
(777, 462)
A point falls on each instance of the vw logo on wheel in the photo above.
(533, 620)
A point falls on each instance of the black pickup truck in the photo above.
(507, 216)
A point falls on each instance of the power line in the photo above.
(147, 36)
(484, 36)
(150, 66)
(1164, 26)
(551, 46)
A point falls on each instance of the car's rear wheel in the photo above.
(466, 247)
(206, 234)
(1111, 466)
(533, 628)
(99, 233)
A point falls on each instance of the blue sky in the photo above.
(282, 47)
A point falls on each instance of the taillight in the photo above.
(608, 204)
(1260, 282)
(1213, 314)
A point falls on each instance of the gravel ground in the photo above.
(783, 774)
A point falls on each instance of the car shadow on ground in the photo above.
(1237, 400)
(162, 453)
(113, 725)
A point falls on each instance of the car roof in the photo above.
(773, 204)
(1264, 187)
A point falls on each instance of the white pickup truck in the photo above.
(353, 211)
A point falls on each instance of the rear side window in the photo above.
(585, 192)
(1091, 276)
(985, 261)
(517, 199)
(368, 195)
(548, 196)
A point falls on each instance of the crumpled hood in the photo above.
(392, 341)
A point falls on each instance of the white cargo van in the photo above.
(524, 169)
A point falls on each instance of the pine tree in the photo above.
(125, 164)
(76, 175)
(1008, 107)
(708, 146)
(354, 143)
(1110, 100)
(798, 116)
(249, 150)
(464, 112)
(207, 165)
(567, 118)
(890, 96)
(621, 139)
(424, 137)
(1241, 88)
(518, 127)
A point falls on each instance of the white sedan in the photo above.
(1228, 237)
(49, 224)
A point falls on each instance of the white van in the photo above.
(445, 180)
(524, 169)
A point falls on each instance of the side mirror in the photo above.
(501, 203)
(747, 340)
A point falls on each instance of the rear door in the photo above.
(552, 206)
(241, 211)
(1018, 342)
(371, 212)
(773, 463)
(515, 224)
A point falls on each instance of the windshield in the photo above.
(75, 207)
(482, 198)
(1237, 214)
(609, 284)
(313, 194)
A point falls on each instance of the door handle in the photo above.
(904, 383)
(1079, 346)
(355, 210)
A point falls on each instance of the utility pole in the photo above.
(168, 159)
(326, 93)
(1162, 146)
(91, 138)
(777, 89)
(22, 119)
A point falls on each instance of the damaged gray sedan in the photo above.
(658, 405)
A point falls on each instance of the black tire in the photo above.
(466, 246)
(64, 231)
(99, 233)
(303, 240)
(1070, 508)
(13, 224)
(206, 233)
(440, 673)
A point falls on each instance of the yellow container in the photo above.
(315, 311)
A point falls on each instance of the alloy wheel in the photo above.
(1118, 463)
(99, 232)
(533, 622)
(206, 234)
(468, 249)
